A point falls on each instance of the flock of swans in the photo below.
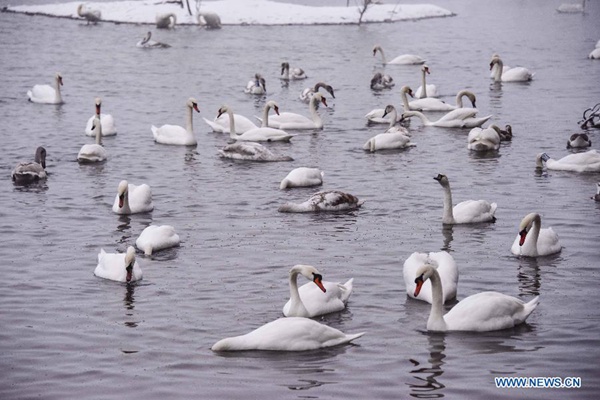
(430, 277)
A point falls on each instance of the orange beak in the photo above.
(324, 101)
(419, 282)
(319, 283)
(196, 107)
(523, 234)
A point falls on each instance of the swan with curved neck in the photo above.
(28, 172)
(92, 16)
(393, 138)
(332, 200)
(517, 74)
(308, 93)
(262, 134)
(425, 90)
(250, 151)
(533, 241)
(481, 312)
(450, 120)
(446, 267)
(406, 59)
(166, 21)
(256, 86)
(148, 43)
(118, 266)
(291, 73)
(482, 140)
(320, 298)
(433, 104)
(466, 212)
(91, 153)
(132, 199)
(107, 122)
(289, 120)
(46, 94)
(588, 161)
(175, 134)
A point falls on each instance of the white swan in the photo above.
(376, 115)
(433, 104)
(495, 67)
(175, 134)
(262, 134)
(120, 267)
(28, 172)
(91, 153)
(90, 15)
(221, 124)
(308, 93)
(596, 197)
(571, 8)
(209, 20)
(291, 73)
(133, 199)
(425, 90)
(487, 139)
(579, 140)
(166, 21)
(147, 43)
(517, 74)
(250, 151)
(393, 138)
(481, 312)
(302, 177)
(331, 200)
(446, 267)
(256, 86)
(157, 237)
(316, 299)
(289, 120)
(47, 94)
(382, 81)
(541, 242)
(287, 334)
(450, 120)
(406, 59)
(107, 120)
(588, 161)
(466, 212)
(595, 54)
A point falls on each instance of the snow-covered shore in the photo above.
(239, 12)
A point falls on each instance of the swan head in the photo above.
(40, 156)
(324, 86)
(407, 90)
(147, 37)
(284, 66)
(192, 103)
(310, 273)
(122, 192)
(424, 272)
(272, 104)
(471, 97)
(540, 158)
(376, 79)
(59, 78)
(375, 48)
(388, 110)
(318, 97)
(525, 226)
(129, 262)
(425, 69)
(495, 60)
(442, 179)
(224, 109)
(98, 102)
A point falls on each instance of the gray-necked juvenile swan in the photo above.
(466, 212)
(332, 200)
(29, 172)
(308, 93)
(291, 73)
(250, 151)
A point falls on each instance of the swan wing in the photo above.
(42, 94)
(473, 211)
(548, 242)
(140, 198)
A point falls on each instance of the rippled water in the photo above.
(68, 334)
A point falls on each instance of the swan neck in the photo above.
(189, 120)
(422, 116)
(535, 231)
(58, 95)
(383, 59)
(498, 72)
(126, 208)
(423, 84)
(313, 111)
(99, 132)
(296, 306)
(436, 316)
(232, 133)
(448, 217)
(265, 119)
(393, 118)
(459, 96)
(404, 100)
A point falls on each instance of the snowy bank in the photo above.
(239, 12)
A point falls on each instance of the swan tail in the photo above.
(148, 251)
(370, 145)
(284, 184)
(529, 307)
(154, 132)
(346, 289)
(215, 127)
(350, 338)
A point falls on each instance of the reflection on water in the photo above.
(129, 303)
(448, 232)
(529, 276)
(428, 385)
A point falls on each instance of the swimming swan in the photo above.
(376, 115)
(382, 81)
(90, 15)
(295, 121)
(308, 93)
(91, 153)
(517, 74)
(406, 59)
(262, 134)
(578, 162)
(425, 90)
(331, 200)
(481, 312)
(147, 43)
(157, 237)
(28, 172)
(481, 140)
(250, 151)
(532, 240)
(120, 267)
(433, 104)
(466, 212)
(221, 124)
(393, 138)
(446, 267)
(320, 298)
(46, 94)
(256, 86)
(302, 177)
(450, 120)
(133, 199)
(107, 120)
(291, 73)
(175, 134)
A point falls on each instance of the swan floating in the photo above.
(92, 153)
(262, 134)
(291, 73)
(571, 8)
(256, 86)
(532, 241)
(46, 94)
(90, 15)
(332, 200)
(147, 43)
(579, 162)
(221, 124)
(376, 115)
(250, 151)
(406, 59)
(320, 298)
(295, 121)
(466, 212)
(287, 334)
(107, 120)
(597, 195)
(595, 54)
(120, 267)
(579, 140)
(393, 138)
(175, 134)
(425, 90)
(302, 177)
(157, 237)
(446, 267)
(308, 93)
(382, 81)
(517, 74)
(166, 21)
(506, 134)
(133, 199)
(433, 104)
(481, 140)
(454, 119)
(481, 312)
(28, 172)
(209, 20)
